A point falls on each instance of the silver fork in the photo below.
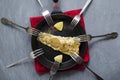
(85, 38)
(54, 69)
(77, 18)
(46, 15)
(78, 59)
(29, 30)
(34, 54)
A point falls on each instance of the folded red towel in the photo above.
(40, 68)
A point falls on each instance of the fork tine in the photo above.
(83, 38)
(33, 31)
(33, 55)
(37, 50)
(48, 18)
(49, 21)
(40, 52)
(36, 53)
(46, 15)
(77, 18)
(74, 22)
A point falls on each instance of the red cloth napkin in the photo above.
(40, 68)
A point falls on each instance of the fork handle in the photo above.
(80, 61)
(39, 1)
(5, 21)
(54, 69)
(97, 76)
(109, 35)
(17, 62)
(85, 6)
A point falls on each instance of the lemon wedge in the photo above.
(59, 26)
(58, 58)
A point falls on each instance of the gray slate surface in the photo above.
(103, 16)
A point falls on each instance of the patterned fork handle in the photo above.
(30, 30)
(54, 69)
(85, 38)
(78, 59)
(46, 15)
(77, 18)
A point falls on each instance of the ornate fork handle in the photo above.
(78, 59)
(109, 35)
(29, 30)
(97, 76)
(85, 38)
(5, 21)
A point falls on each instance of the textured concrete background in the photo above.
(103, 16)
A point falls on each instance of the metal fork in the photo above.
(29, 30)
(78, 59)
(46, 15)
(32, 55)
(77, 18)
(85, 38)
(54, 69)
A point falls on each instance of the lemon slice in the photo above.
(58, 58)
(59, 26)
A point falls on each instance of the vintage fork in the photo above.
(29, 30)
(46, 15)
(78, 59)
(77, 18)
(85, 38)
(34, 54)
(54, 69)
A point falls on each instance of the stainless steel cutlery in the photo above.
(86, 38)
(54, 69)
(29, 30)
(46, 15)
(77, 18)
(35, 32)
(78, 59)
(34, 54)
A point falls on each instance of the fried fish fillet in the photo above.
(66, 45)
